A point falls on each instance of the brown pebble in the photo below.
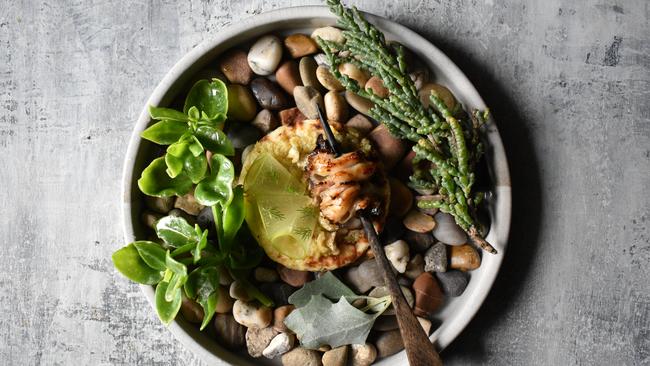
(266, 121)
(419, 222)
(229, 333)
(360, 123)
(359, 103)
(301, 357)
(329, 81)
(389, 343)
(288, 76)
(293, 277)
(336, 107)
(401, 198)
(464, 257)
(307, 68)
(336, 357)
(355, 73)
(279, 314)
(291, 116)
(428, 296)
(377, 86)
(390, 147)
(300, 45)
(189, 204)
(440, 91)
(234, 65)
(192, 311)
(149, 218)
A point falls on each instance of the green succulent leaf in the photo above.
(160, 113)
(203, 287)
(180, 158)
(155, 181)
(214, 140)
(167, 309)
(233, 218)
(174, 266)
(151, 253)
(175, 231)
(216, 188)
(200, 245)
(209, 97)
(165, 132)
(131, 265)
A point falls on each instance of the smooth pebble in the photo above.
(329, 81)
(300, 45)
(269, 95)
(307, 98)
(307, 69)
(234, 65)
(447, 231)
(398, 255)
(362, 354)
(280, 344)
(453, 283)
(265, 54)
(288, 76)
(336, 108)
(251, 314)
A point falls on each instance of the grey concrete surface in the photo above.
(568, 81)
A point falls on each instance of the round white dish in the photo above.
(457, 313)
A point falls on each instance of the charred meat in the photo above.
(343, 185)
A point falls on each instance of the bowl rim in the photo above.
(497, 163)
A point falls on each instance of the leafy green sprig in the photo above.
(188, 134)
(186, 262)
(447, 146)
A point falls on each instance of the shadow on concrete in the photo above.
(526, 212)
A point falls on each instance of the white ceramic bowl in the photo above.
(457, 312)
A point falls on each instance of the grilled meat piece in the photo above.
(343, 185)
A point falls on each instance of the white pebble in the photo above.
(251, 315)
(265, 55)
(329, 34)
(398, 255)
(279, 345)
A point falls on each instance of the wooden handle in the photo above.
(419, 349)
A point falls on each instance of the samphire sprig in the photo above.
(446, 142)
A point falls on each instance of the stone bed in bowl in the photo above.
(457, 311)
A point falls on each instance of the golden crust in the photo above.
(291, 145)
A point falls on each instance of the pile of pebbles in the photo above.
(275, 83)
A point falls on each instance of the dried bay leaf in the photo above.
(327, 285)
(321, 322)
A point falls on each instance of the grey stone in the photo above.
(435, 259)
(447, 231)
(269, 95)
(453, 282)
(365, 276)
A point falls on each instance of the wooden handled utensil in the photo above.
(419, 349)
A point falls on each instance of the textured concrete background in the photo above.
(569, 85)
